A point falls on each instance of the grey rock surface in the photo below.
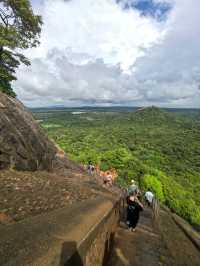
(23, 144)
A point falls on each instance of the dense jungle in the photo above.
(158, 148)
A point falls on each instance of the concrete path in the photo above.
(143, 247)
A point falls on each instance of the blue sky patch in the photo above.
(158, 10)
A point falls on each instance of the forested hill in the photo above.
(152, 115)
(159, 148)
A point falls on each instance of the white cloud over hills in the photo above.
(96, 52)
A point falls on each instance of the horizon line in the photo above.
(119, 106)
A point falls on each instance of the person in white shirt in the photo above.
(149, 196)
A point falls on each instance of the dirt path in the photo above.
(143, 247)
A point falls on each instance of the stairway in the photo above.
(144, 247)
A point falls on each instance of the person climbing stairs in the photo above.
(152, 244)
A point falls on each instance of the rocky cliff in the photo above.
(27, 188)
(23, 144)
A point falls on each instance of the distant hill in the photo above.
(151, 113)
(154, 116)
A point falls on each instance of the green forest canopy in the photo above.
(19, 29)
(159, 149)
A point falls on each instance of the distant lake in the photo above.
(78, 113)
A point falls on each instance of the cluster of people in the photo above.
(133, 196)
(135, 206)
(108, 177)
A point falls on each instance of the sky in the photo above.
(114, 52)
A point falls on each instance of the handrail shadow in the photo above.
(69, 255)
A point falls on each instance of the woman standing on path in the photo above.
(133, 210)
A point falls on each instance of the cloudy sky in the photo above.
(114, 52)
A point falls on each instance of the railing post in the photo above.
(156, 212)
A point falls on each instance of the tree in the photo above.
(19, 29)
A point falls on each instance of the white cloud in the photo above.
(100, 29)
(174, 65)
(55, 79)
(93, 51)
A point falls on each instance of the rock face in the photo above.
(23, 144)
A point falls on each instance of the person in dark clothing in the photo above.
(133, 211)
(90, 168)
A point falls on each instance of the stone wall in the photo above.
(81, 234)
(99, 250)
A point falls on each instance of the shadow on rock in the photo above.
(70, 255)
